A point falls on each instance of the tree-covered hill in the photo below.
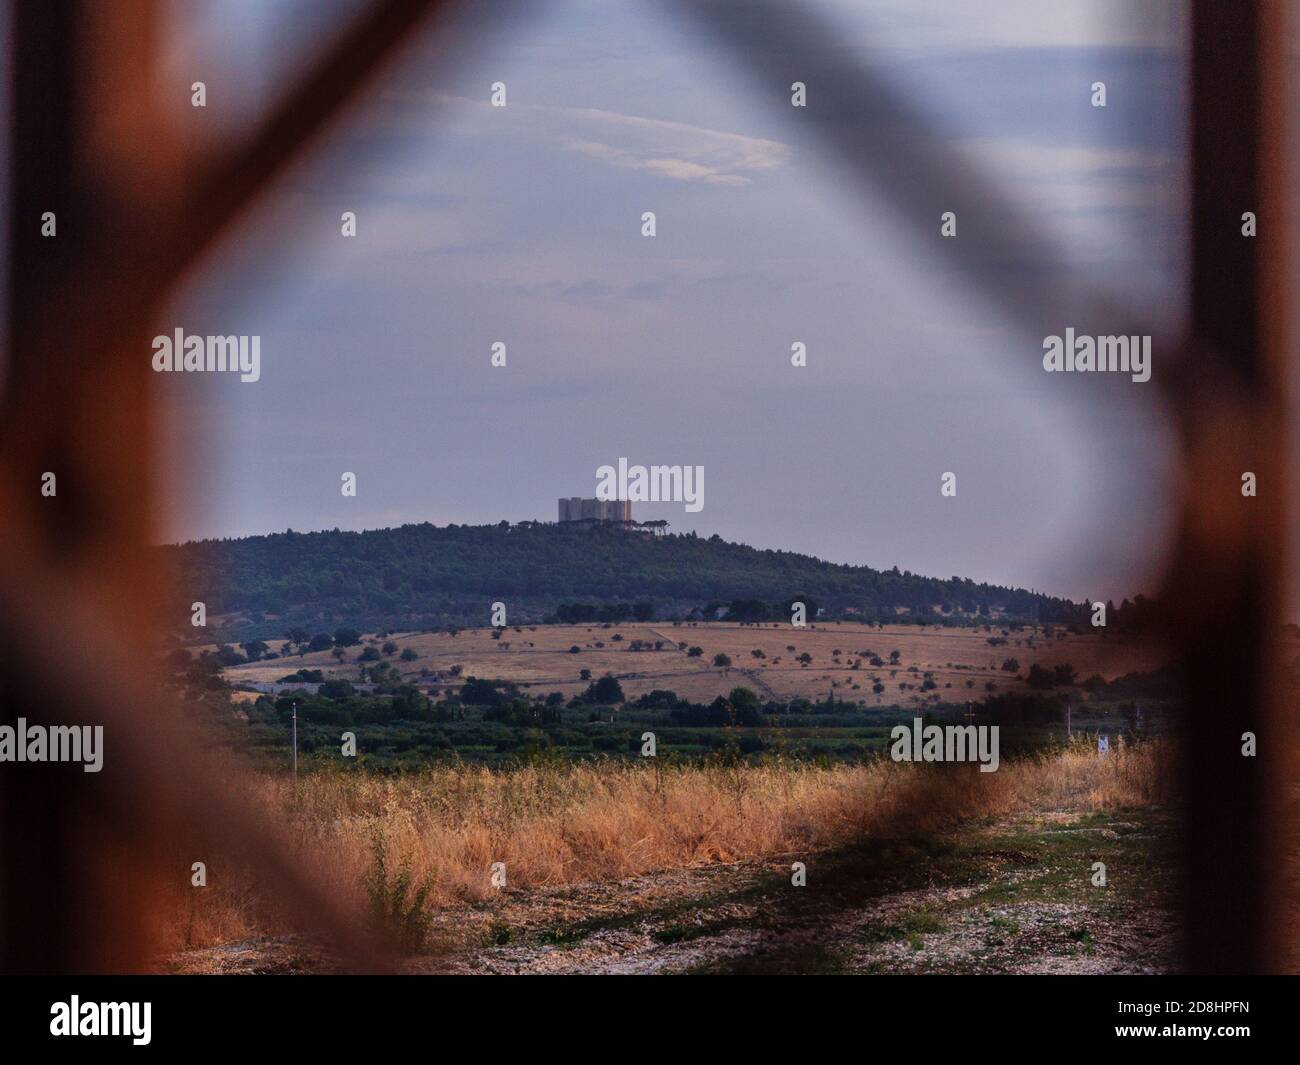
(421, 576)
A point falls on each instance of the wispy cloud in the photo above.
(672, 150)
(676, 151)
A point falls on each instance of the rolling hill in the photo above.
(422, 576)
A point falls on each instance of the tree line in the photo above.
(423, 576)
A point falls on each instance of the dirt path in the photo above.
(1012, 896)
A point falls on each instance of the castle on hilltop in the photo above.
(576, 509)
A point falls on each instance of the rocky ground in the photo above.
(1010, 896)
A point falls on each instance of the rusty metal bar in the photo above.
(1225, 589)
(76, 569)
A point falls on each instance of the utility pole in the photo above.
(295, 742)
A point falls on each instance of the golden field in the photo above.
(539, 657)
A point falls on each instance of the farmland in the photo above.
(832, 690)
(645, 657)
(521, 749)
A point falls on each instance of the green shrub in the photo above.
(399, 910)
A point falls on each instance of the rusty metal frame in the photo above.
(136, 216)
(1224, 595)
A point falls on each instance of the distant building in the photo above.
(576, 509)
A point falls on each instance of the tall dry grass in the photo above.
(569, 824)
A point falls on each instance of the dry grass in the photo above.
(562, 825)
(539, 657)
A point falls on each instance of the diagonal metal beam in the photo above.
(892, 149)
(78, 400)
(312, 106)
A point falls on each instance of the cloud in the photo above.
(928, 26)
(1104, 202)
(1046, 160)
(673, 150)
(676, 169)
(676, 151)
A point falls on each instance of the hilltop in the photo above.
(422, 576)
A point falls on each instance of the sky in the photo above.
(522, 224)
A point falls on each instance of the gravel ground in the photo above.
(1010, 896)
